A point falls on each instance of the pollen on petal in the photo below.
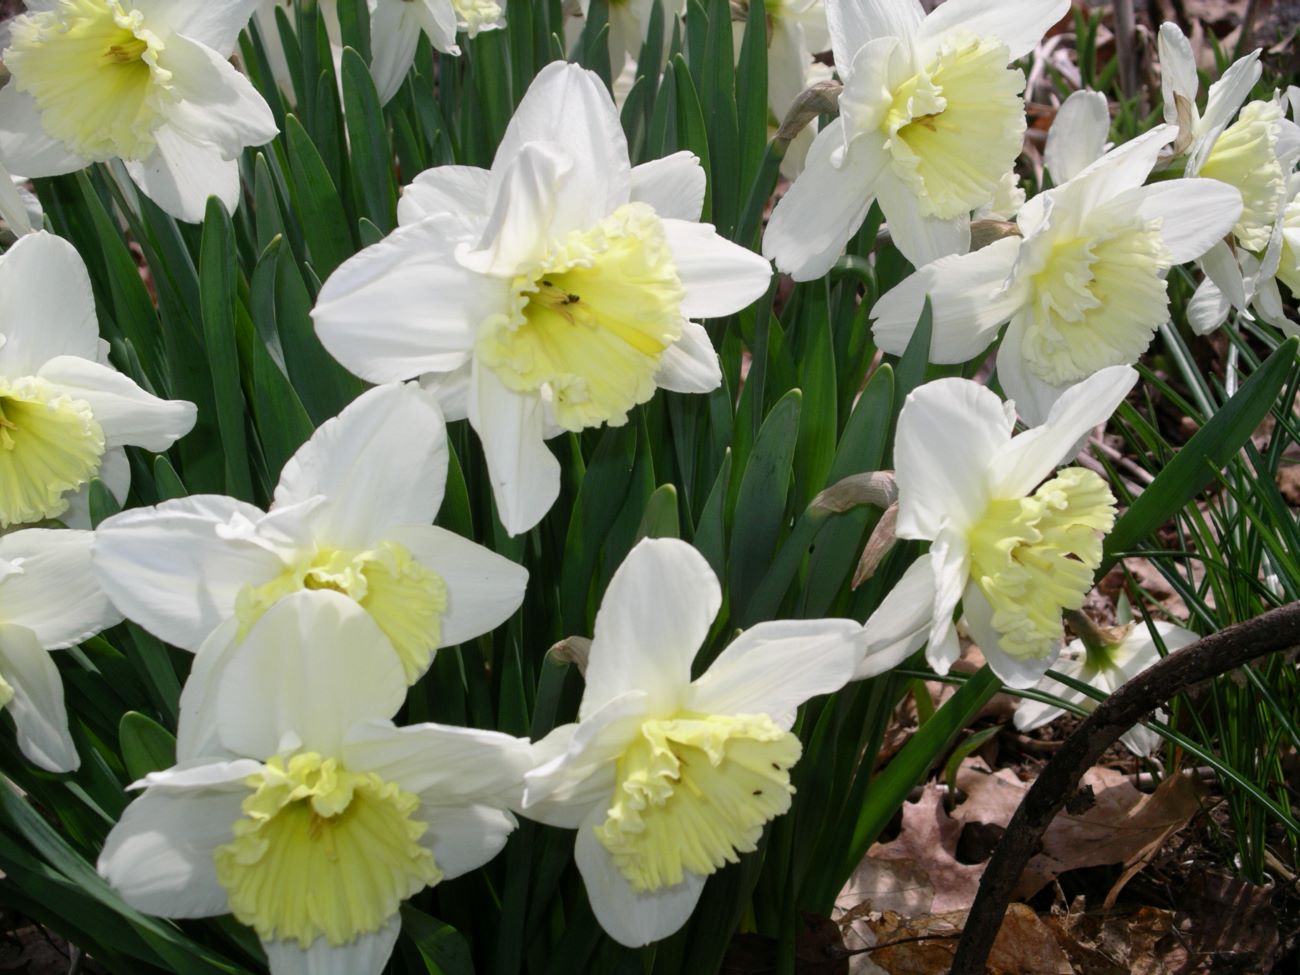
(50, 446)
(93, 69)
(1034, 557)
(693, 792)
(591, 324)
(323, 852)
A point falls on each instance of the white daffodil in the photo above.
(1078, 136)
(19, 209)
(65, 414)
(796, 31)
(144, 81)
(667, 780)
(931, 120)
(395, 29)
(553, 293)
(1013, 540)
(48, 601)
(1105, 669)
(352, 514)
(1255, 154)
(1083, 285)
(297, 806)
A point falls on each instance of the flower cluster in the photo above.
(554, 293)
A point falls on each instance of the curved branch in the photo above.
(1278, 629)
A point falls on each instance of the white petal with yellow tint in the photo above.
(968, 301)
(720, 277)
(690, 365)
(525, 474)
(129, 415)
(180, 175)
(949, 432)
(40, 716)
(853, 24)
(1019, 24)
(630, 918)
(159, 855)
(216, 105)
(48, 307)
(53, 593)
(381, 463)
(674, 185)
(773, 667)
(312, 667)
(1078, 135)
(215, 25)
(1012, 670)
(920, 237)
(25, 147)
(177, 568)
(1194, 214)
(366, 955)
(483, 588)
(433, 306)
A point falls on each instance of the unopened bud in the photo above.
(876, 488)
(574, 650)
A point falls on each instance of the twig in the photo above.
(1125, 32)
(1217, 654)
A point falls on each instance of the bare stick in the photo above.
(1125, 34)
(1276, 630)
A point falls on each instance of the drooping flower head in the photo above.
(48, 601)
(554, 292)
(1082, 285)
(668, 780)
(931, 121)
(144, 81)
(1013, 540)
(352, 515)
(65, 414)
(296, 804)
(1106, 668)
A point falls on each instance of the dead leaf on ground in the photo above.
(1121, 825)
(818, 950)
(928, 839)
(1025, 945)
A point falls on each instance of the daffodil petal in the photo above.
(216, 105)
(47, 307)
(825, 206)
(1018, 672)
(720, 277)
(853, 24)
(215, 25)
(630, 918)
(446, 191)
(25, 148)
(1078, 135)
(674, 186)
(900, 625)
(484, 589)
(690, 365)
(40, 716)
(1194, 214)
(1208, 308)
(180, 175)
(394, 36)
(54, 594)
(174, 571)
(367, 954)
(381, 463)
(313, 666)
(949, 431)
(1021, 464)
(128, 415)
(920, 238)
(464, 837)
(1226, 97)
(774, 667)
(432, 306)
(159, 855)
(1019, 24)
(967, 301)
(653, 619)
(1178, 75)
(525, 474)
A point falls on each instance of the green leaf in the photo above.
(146, 745)
(102, 503)
(316, 199)
(661, 519)
(372, 165)
(1209, 450)
(443, 949)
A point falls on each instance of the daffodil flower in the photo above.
(1013, 540)
(144, 81)
(352, 514)
(931, 120)
(1255, 154)
(65, 414)
(48, 601)
(1083, 284)
(796, 31)
(667, 780)
(629, 25)
(1105, 668)
(553, 293)
(298, 806)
